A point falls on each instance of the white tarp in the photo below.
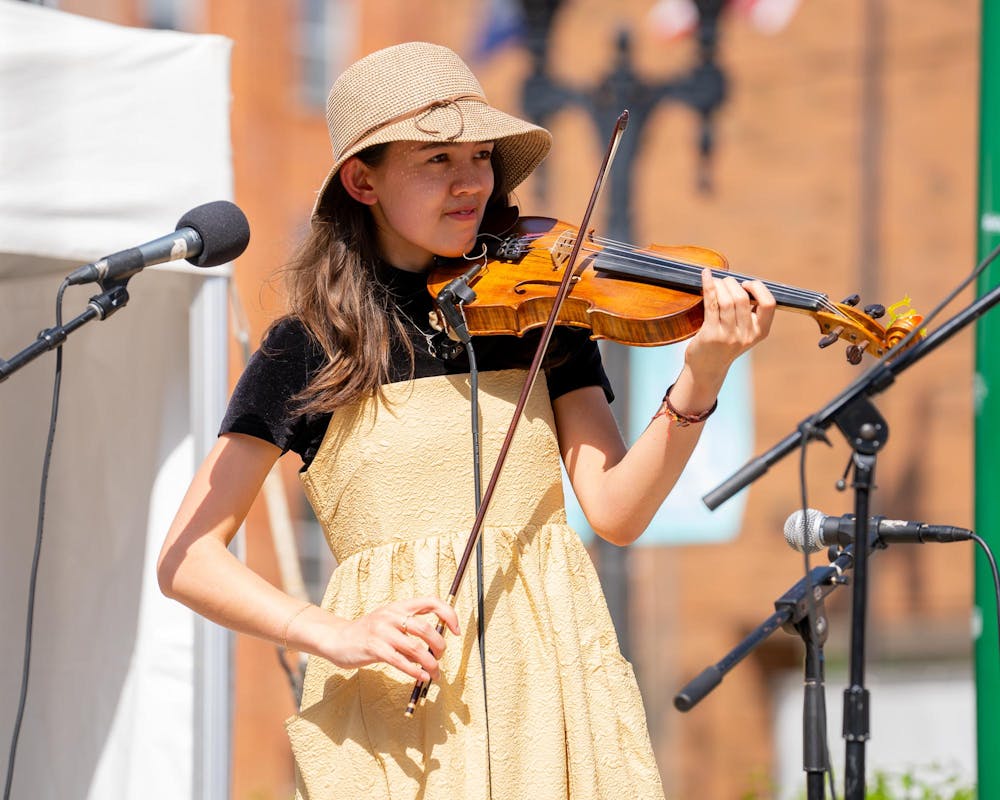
(107, 135)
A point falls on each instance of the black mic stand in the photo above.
(793, 615)
(866, 429)
(102, 306)
(866, 432)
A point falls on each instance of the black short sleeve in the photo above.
(261, 403)
(580, 366)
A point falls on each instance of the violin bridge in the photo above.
(561, 250)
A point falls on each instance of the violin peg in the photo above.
(831, 337)
(856, 352)
(875, 310)
(852, 300)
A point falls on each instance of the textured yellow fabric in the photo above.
(392, 488)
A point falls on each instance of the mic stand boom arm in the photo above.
(791, 608)
(102, 306)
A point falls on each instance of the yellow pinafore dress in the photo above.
(392, 488)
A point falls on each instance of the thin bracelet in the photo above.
(288, 622)
(682, 420)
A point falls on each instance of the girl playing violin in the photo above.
(355, 380)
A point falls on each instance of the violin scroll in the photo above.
(844, 321)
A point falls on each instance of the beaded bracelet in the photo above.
(682, 420)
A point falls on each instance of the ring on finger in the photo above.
(406, 622)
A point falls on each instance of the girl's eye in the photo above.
(486, 154)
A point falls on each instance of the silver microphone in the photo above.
(815, 530)
(804, 532)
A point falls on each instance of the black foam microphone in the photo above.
(207, 236)
(822, 531)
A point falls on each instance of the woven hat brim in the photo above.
(519, 146)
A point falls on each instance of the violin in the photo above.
(636, 296)
(520, 279)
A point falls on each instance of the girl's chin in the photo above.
(457, 251)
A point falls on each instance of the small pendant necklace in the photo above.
(439, 344)
(429, 338)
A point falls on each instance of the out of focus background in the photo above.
(837, 147)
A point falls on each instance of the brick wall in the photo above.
(789, 193)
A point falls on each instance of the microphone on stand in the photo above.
(821, 531)
(207, 236)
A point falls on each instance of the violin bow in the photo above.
(419, 694)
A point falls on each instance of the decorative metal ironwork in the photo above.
(703, 89)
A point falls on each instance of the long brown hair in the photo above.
(332, 289)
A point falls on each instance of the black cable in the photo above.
(993, 566)
(36, 557)
(480, 593)
(810, 597)
(477, 471)
(477, 479)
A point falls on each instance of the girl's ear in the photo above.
(354, 176)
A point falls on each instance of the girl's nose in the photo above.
(472, 176)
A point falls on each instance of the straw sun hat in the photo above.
(424, 93)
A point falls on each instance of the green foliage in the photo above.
(923, 783)
(930, 783)
(761, 788)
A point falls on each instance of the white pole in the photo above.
(212, 742)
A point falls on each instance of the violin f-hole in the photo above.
(519, 288)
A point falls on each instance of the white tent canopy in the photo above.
(108, 135)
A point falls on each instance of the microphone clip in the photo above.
(452, 297)
(113, 296)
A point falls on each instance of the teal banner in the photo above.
(724, 447)
(987, 409)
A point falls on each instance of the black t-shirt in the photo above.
(288, 358)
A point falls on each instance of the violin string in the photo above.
(692, 273)
(623, 254)
(627, 253)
